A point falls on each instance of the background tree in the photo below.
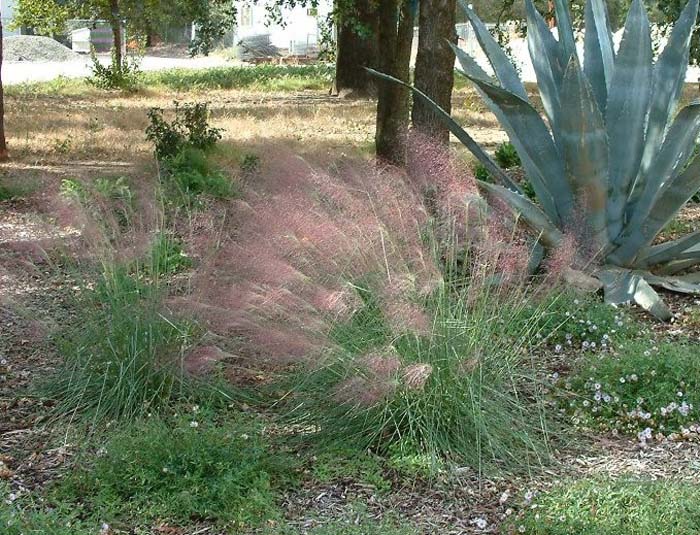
(357, 25)
(213, 18)
(667, 12)
(396, 18)
(434, 73)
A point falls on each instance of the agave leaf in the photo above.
(470, 66)
(688, 284)
(458, 132)
(627, 108)
(599, 54)
(502, 66)
(566, 30)
(674, 195)
(623, 286)
(539, 155)
(531, 214)
(668, 80)
(676, 266)
(671, 250)
(546, 59)
(667, 162)
(585, 146)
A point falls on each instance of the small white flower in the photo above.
(622, 380)
(194, 424)
(479, 522)
(634, 378)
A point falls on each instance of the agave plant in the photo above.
(611, 152)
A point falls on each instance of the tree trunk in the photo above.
(395, 39)
(356, 49)
(435, 64)
(116, 24)
(3, 144)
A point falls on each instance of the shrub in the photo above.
(190, 173)
(125, 76)
(506, 156)
(608, 507)
(189, 129)
(643, 389)
(184, 469)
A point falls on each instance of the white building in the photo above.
(298, 35)
(7, 9)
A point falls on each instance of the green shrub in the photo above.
(506, 156)
(189, 129)
(607, 507)
(190, 173)
(643, 389)
(182, 469)
(124, 76)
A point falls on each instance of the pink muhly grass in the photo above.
(416, 376)
(363, 392)
(384, 364)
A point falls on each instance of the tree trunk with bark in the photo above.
(116, 24)
(3, 143)
(357, 48)
(435, 64)
(396, 19)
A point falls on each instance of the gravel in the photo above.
(35, 48)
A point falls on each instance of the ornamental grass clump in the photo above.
(612, 144)
(123, 351)
(384, 300)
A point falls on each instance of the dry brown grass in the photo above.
(53, 136)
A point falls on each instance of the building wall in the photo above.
(300, 27)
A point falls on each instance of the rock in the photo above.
(581, 281)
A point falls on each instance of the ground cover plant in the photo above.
(188, 467)
(606, 507)
(581, 162)
(643, 389)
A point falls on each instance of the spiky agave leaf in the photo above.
(610, 144)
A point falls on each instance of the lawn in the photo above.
(260, 331)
